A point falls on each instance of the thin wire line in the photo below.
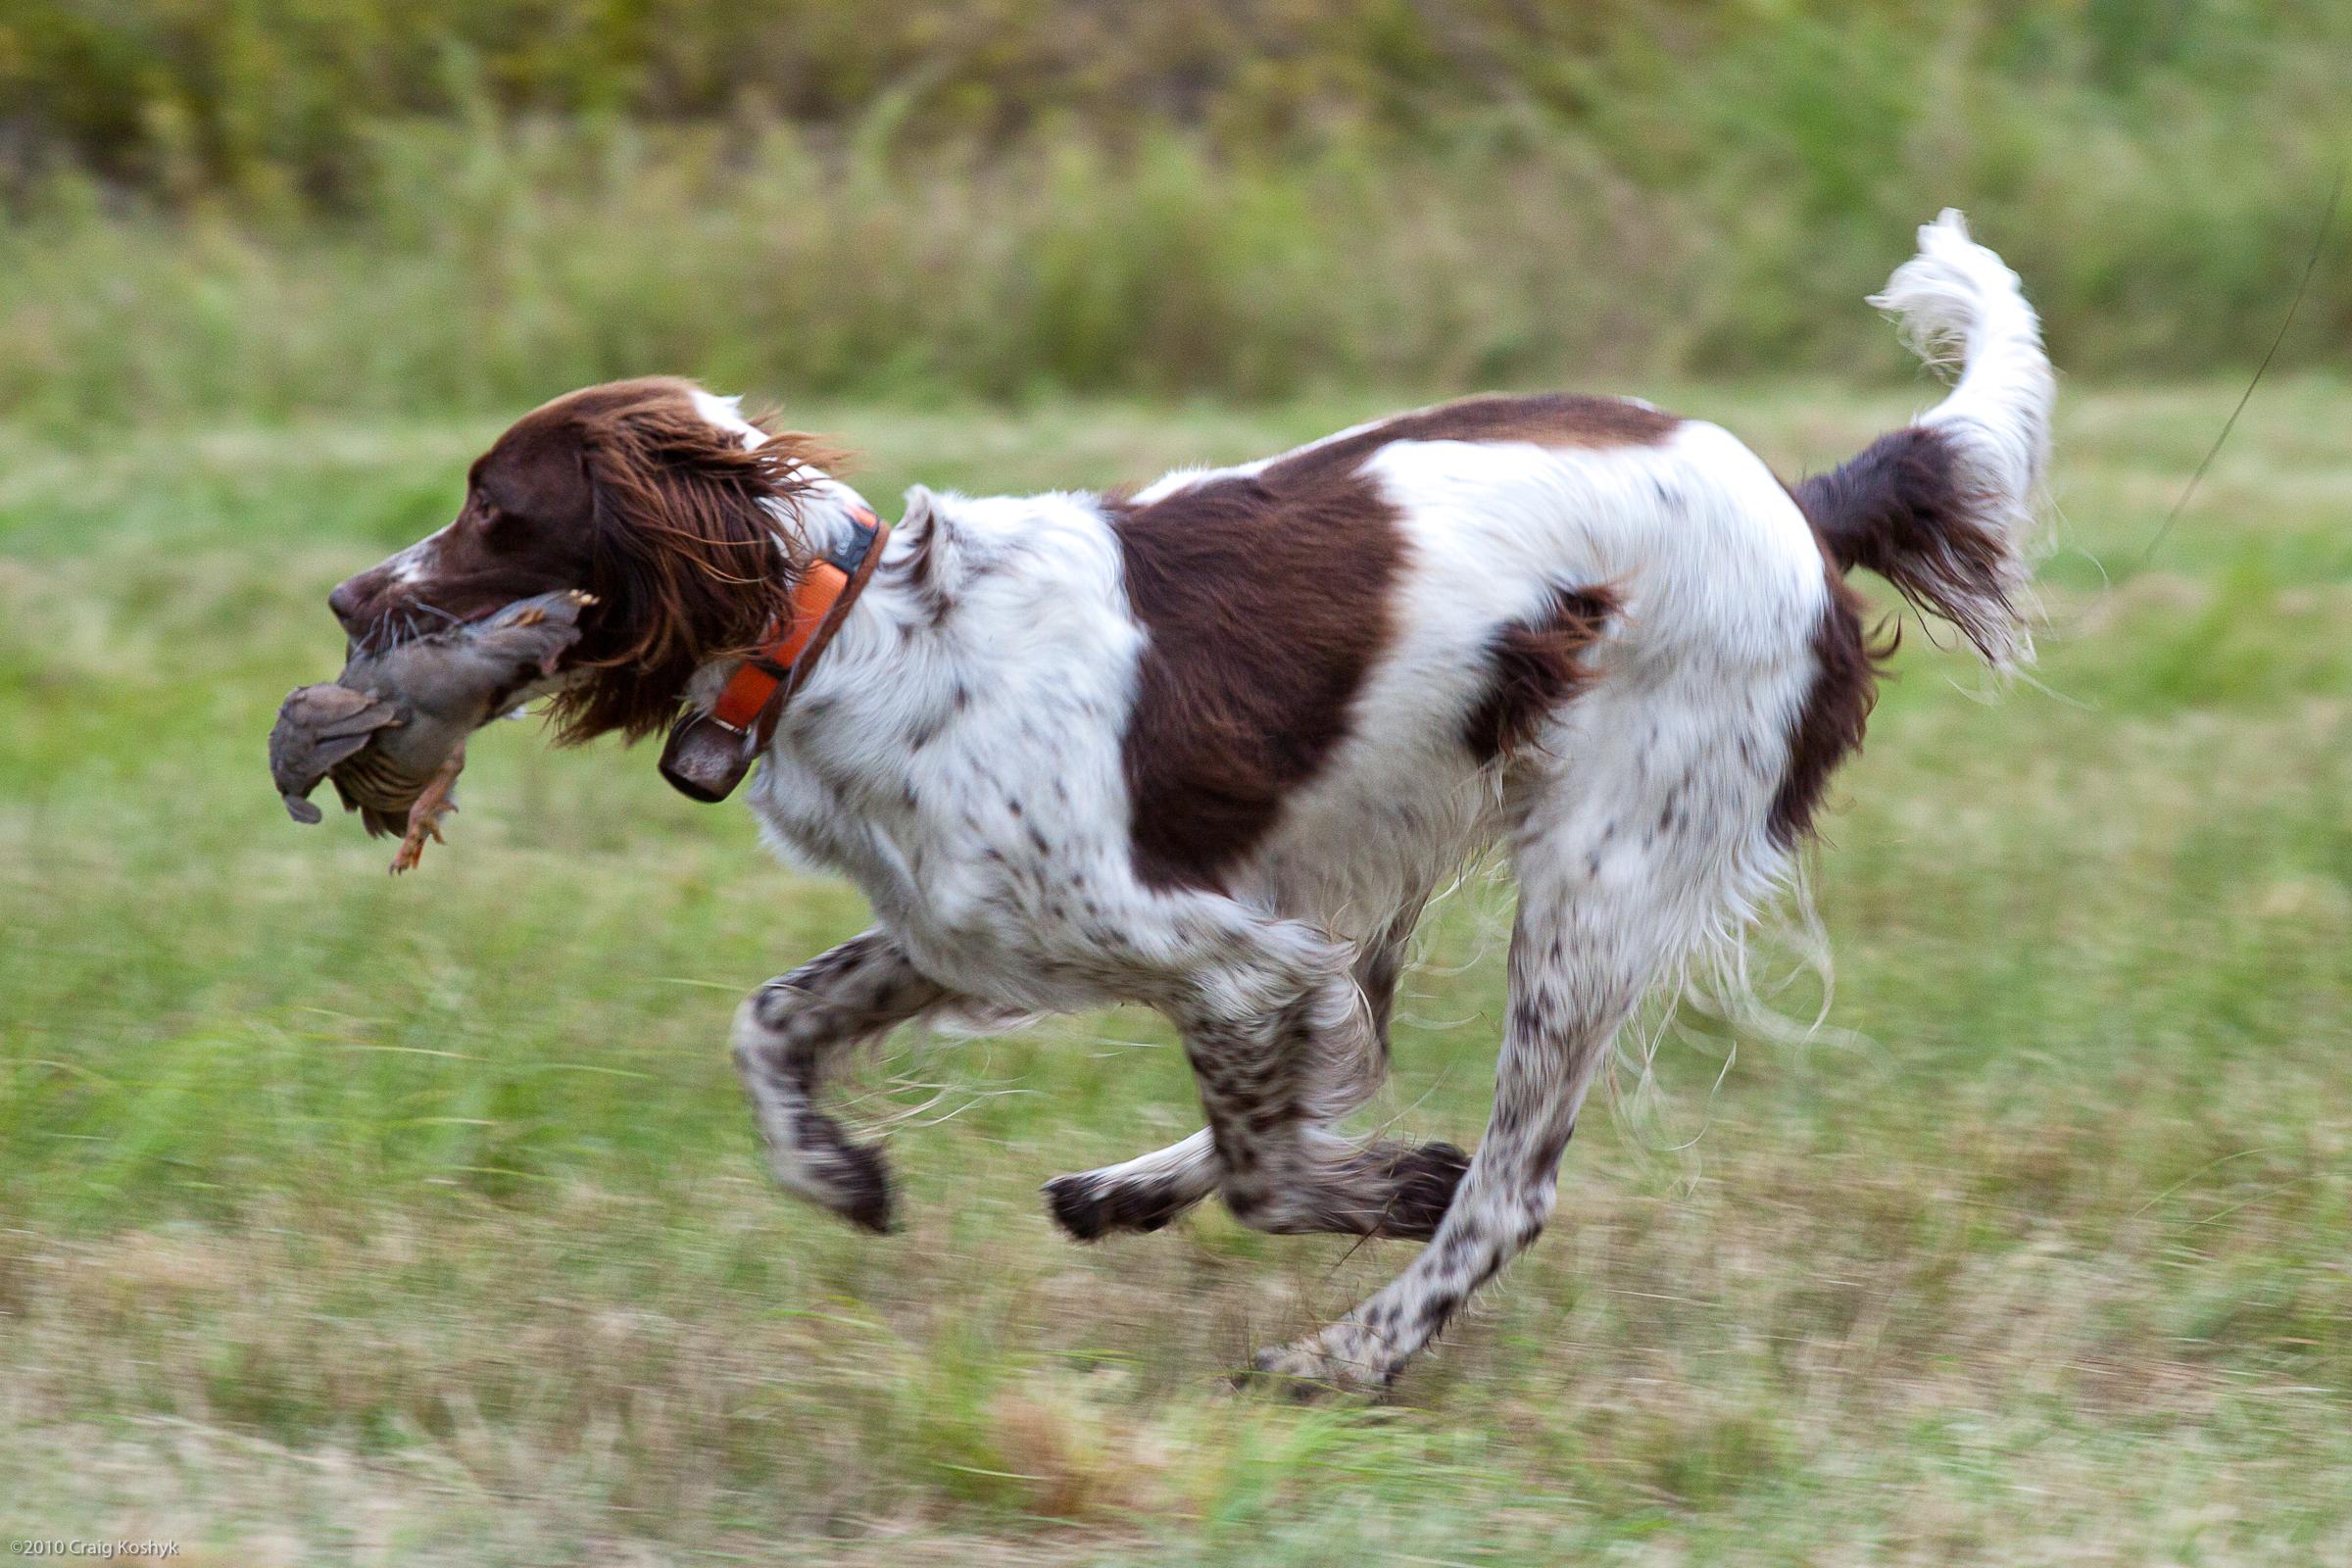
(2319, 246)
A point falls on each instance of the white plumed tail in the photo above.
(1958, 300)
(1944, 507)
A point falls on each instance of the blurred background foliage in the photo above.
(214, 204)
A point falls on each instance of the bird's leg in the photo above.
(426, 812)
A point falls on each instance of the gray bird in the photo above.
(390, 731)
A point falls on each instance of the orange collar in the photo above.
(709, 754)
(820, 604)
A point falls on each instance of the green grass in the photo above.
(353, 1221)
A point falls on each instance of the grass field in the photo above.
(353, 1221)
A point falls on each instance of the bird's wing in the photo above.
(358, 713)
(562, 607)
(534, 631)
(331, 713)
(466, 675)
(326, 750)
(319, 726)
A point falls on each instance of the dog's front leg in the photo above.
(786, 1033)
(1389, 1190)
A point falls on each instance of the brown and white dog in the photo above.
(1210, 746)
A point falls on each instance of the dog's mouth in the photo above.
(404, 618)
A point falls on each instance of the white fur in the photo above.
(1719, 577)
(415, 563)
(726, 413)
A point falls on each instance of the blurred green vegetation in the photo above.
(276, 206)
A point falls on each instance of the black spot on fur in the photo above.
(863, 1181)
(1087, 1210)
(1426, 1177)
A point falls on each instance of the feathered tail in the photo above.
(1943, 508)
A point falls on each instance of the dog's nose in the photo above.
(345, 601)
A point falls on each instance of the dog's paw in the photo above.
(1314, 1368)
(1088, 1208)
(858, 1189)
(849, 1179)
(1077, 1207)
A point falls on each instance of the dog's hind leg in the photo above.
(787, 1032)
(1624, 864)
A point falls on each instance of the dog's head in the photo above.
(659, 499)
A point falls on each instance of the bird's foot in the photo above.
(425, 813)
(421, 826)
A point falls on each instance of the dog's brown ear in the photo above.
(692, 554)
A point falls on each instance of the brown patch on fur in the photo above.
(1837, 707)
(1538, 664)
(1547, 419)
(1265, 598)
(626, 491)
(1898, 509)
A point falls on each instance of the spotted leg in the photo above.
(1607, 906)
(787, 1032)
(1388, 1189)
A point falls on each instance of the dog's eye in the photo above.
(494, 522)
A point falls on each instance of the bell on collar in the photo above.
(703, 759)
